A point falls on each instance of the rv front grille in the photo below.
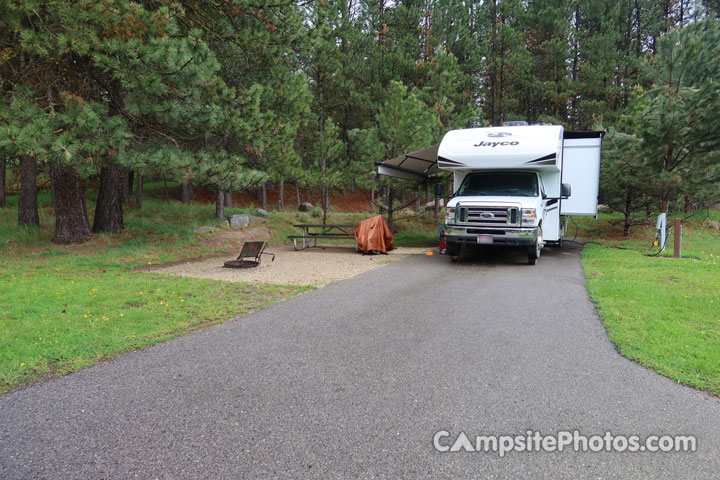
(485, 231)
(487, 216)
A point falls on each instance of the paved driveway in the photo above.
(353, 380)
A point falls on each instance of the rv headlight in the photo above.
(450, 215)
(529, 216)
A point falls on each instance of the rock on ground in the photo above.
(241, 220)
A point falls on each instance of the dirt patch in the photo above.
(314, 266)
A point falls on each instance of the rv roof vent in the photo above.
(514, 123)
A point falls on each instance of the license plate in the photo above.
(484, 239)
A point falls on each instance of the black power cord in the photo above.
(575, 236)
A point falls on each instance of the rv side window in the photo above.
(513, 184)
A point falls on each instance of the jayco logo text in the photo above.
(495, 144)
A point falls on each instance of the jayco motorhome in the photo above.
(514, 185)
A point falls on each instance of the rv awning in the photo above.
(418, 165)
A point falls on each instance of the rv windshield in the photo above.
(516, 184)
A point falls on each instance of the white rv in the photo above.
(514, 185)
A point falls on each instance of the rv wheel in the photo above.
(453, 249)
(534, 251)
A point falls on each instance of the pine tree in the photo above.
(677, 117)
(257, 46)
(3, 182)
(508, 65)
(459, 28)
(624, 174)
(443, 91)
(328, 164)
(404, 123)
(548, 28)
(88, 138)
(26, 135)
(326, 158)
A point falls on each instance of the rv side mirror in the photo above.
(438, 189)
(565, 190)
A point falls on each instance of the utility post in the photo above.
(677, 253)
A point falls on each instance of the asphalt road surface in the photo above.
(355, 379)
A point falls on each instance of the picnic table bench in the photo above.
(310, 232)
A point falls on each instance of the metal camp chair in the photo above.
(250, 250)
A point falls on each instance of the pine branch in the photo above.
(179, 69)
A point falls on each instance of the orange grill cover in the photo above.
(374, 234)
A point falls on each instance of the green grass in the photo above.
(417, 239)
(662, 312)
(66, 307)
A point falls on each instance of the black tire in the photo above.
(453, 249)
(534, 251)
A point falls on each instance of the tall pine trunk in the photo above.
(130, 181)
(263, 194)
(109, 210)
(219, 204)
(3, 169)
(28, 202)
(628, 213)
(324, 203)
(186, 191)
(71, 219)
(139, 191)
(281, 194)
(297, 192)
(228, 199)
(390, 210)
(124, 190)
(665, 202)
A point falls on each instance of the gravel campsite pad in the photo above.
(313, 266)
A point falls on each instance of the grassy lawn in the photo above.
(66, 307)
(662, 312)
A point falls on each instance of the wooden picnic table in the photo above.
(310, 232)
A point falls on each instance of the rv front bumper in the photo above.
(494, 236)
